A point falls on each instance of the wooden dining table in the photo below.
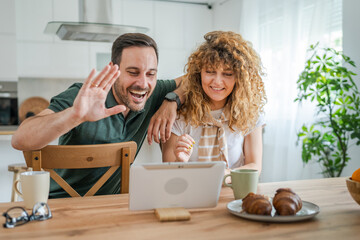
(108, 217)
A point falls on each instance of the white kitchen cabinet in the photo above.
(8, 69)
(181, 26)
(65, 10)
(100, 55)
(33, 16)
(170, 28)
(171, 63)
(117, 11)
(7, 41)
(46, 56)
(42, 59)
(31, 19)
(176, 27)
(143, 16)
(7, 17)
(198, 17)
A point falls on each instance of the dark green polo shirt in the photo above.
(112, 129)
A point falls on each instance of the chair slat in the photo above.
(62, 183)
(111, 155)
(101, 181)
(125, 170)
(36, 160)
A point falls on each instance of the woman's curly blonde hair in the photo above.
(248, 97)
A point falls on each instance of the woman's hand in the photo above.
(184, 148)
(228, 179)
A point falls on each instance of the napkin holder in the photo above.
(172, 214)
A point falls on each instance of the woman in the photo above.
(221, 119)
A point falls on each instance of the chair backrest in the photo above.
(111, 155)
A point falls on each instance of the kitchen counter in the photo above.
(8, 155)
(8, 130)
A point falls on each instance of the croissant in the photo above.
(256, 204)
(286, 202)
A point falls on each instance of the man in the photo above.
(114, 106)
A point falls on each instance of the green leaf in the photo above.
(330, 64)
(338, 109)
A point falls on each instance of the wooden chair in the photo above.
(111, 155)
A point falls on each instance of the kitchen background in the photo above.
(43, 65)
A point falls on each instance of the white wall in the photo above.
(351, 48)
(226, 15)
(7, 41)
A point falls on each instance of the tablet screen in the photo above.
(164, 185)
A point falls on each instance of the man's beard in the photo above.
(126, 101)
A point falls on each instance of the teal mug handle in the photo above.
(227, 184)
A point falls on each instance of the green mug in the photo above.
(243, 181)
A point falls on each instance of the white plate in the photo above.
(308, 210)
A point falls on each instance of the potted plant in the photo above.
(328, 83)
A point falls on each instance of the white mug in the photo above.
(35, 187)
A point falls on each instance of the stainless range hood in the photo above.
(95, 24)
(92, 32)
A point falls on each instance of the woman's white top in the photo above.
(235, 140)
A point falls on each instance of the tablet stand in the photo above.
(172, 214)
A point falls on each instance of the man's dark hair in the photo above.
(131, 40)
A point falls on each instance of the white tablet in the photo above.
(164, 185)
